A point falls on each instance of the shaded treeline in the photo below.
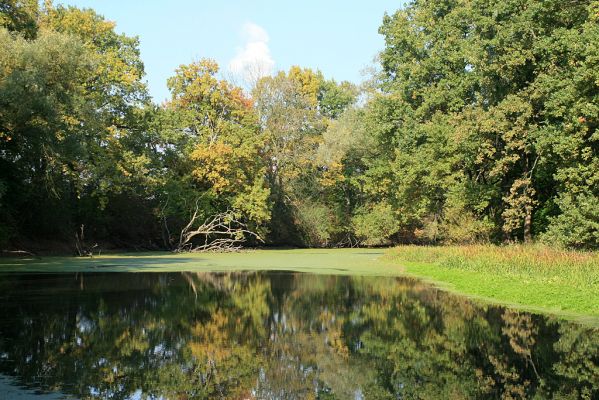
(481, 125)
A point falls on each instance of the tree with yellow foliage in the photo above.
(220, 145)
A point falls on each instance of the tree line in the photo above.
(480, 125)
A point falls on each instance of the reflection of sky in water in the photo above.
(84, 325)
(10, 390)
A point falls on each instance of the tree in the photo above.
(489, 112)
(42, 88)
(294, 110)
(217, 151)
(71, 128)
(20, 16)
(287, 113)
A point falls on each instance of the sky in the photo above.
(249, 37)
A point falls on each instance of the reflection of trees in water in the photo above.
(282, 336)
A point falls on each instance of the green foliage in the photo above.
(461, 222)
(578, 224)
(375, 225)
(42, 87)
(316, 221)
(483, 133)
(468, 133)
(20, 16)
(294, 109)
(334, 98)
(6, 229)
(118, 68)
(69, 129)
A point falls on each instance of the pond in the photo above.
(278, 335)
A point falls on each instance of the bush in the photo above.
(375, 225)
(316, 222)
(578, 224)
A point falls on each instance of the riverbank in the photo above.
(528, 277)
(536, 278)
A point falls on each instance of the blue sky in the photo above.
(338, 37)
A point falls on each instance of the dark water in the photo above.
(278, 336)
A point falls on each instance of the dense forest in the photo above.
(479, 125)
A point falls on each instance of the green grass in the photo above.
(528, 277)
(532, 277)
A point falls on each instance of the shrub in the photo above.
(578, 224)
(315, 221)
(375, 225)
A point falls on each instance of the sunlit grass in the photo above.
(534, 276)
(537, 262)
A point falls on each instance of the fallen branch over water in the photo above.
(220, 232)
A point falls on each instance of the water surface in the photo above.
(278, 335)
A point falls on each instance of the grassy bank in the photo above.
(535, 277)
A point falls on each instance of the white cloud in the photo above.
(253, 60)
(254, 33)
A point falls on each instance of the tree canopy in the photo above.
(480, 126)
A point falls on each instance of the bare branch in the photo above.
(219, 232)
(80, 247)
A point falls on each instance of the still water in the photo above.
(278, 335)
